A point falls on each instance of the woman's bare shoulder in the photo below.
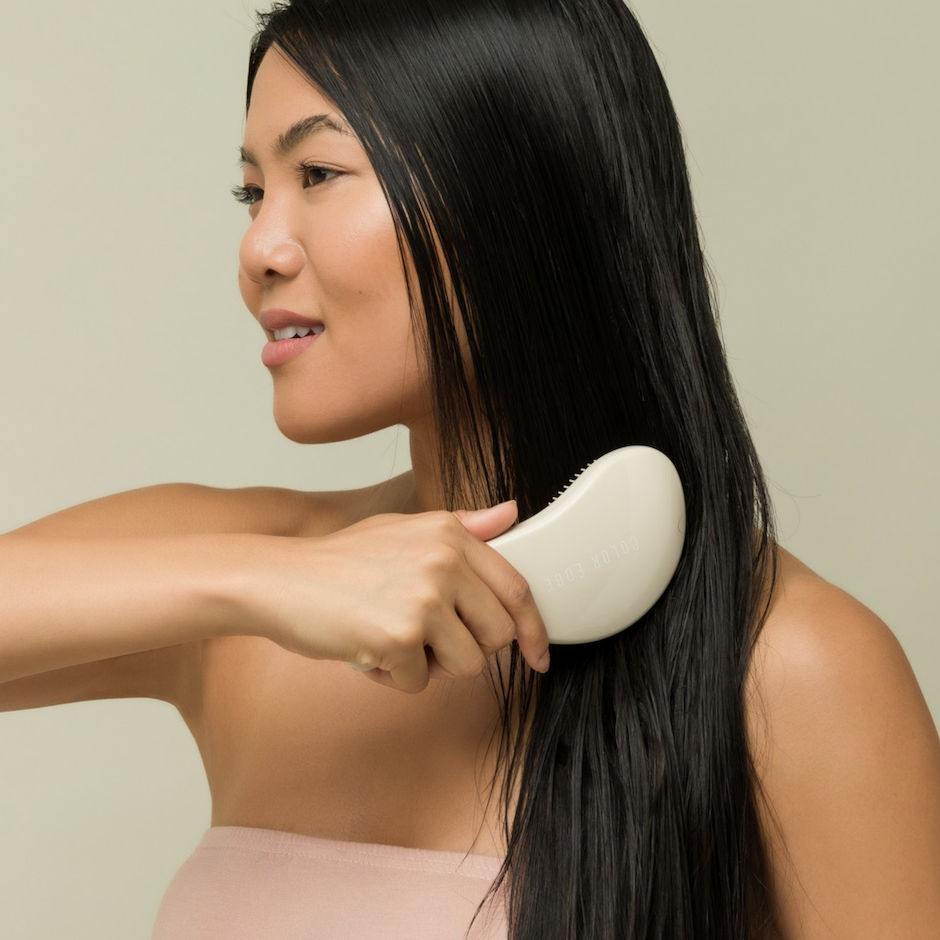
(329, 510)
(809, 620)
(173, 509)
(848, 760)
(819, 639)
(182, 508)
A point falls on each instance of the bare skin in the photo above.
(375, 766)
(847, 753)
(849, 760)
(289, 742)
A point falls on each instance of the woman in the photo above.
(677, 780)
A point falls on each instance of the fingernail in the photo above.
(544, 661)
(497, 505)
(509, 502)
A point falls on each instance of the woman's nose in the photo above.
(270, 249)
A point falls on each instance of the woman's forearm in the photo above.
(71, 600)
(378, 593)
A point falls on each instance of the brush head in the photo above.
(604, 550)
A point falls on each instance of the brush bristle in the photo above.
(575, 477)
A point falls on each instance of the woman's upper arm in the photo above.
(170, 673)
(849, 761)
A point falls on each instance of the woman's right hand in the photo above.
(408, 597)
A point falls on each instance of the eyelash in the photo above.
(249, 195)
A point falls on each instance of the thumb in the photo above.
(487, 523)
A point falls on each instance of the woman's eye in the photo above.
(310, 173)
(247, 195)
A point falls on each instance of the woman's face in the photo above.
(321, 251)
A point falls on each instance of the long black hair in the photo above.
(533, 143)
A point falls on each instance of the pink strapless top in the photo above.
(243, 883)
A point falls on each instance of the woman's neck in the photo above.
(427, 489)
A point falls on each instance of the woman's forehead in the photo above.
(280, 87)
(286, 107)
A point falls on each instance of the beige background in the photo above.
(127, 358)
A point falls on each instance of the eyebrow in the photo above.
(295, 134)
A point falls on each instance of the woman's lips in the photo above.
(280, 319)
(278, 352)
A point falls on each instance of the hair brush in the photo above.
(604, 550)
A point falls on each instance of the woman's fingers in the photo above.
(480, 602)
(495, 602)
(514, 596)
(412, 596)
(450, 649)
(491, 627)
(458, 641)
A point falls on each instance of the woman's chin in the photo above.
(301, 430)
(304, 434)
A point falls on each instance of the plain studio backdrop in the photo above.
(127, 358)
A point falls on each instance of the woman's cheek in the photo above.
(369, 235)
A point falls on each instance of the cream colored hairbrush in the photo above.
(604, 550)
